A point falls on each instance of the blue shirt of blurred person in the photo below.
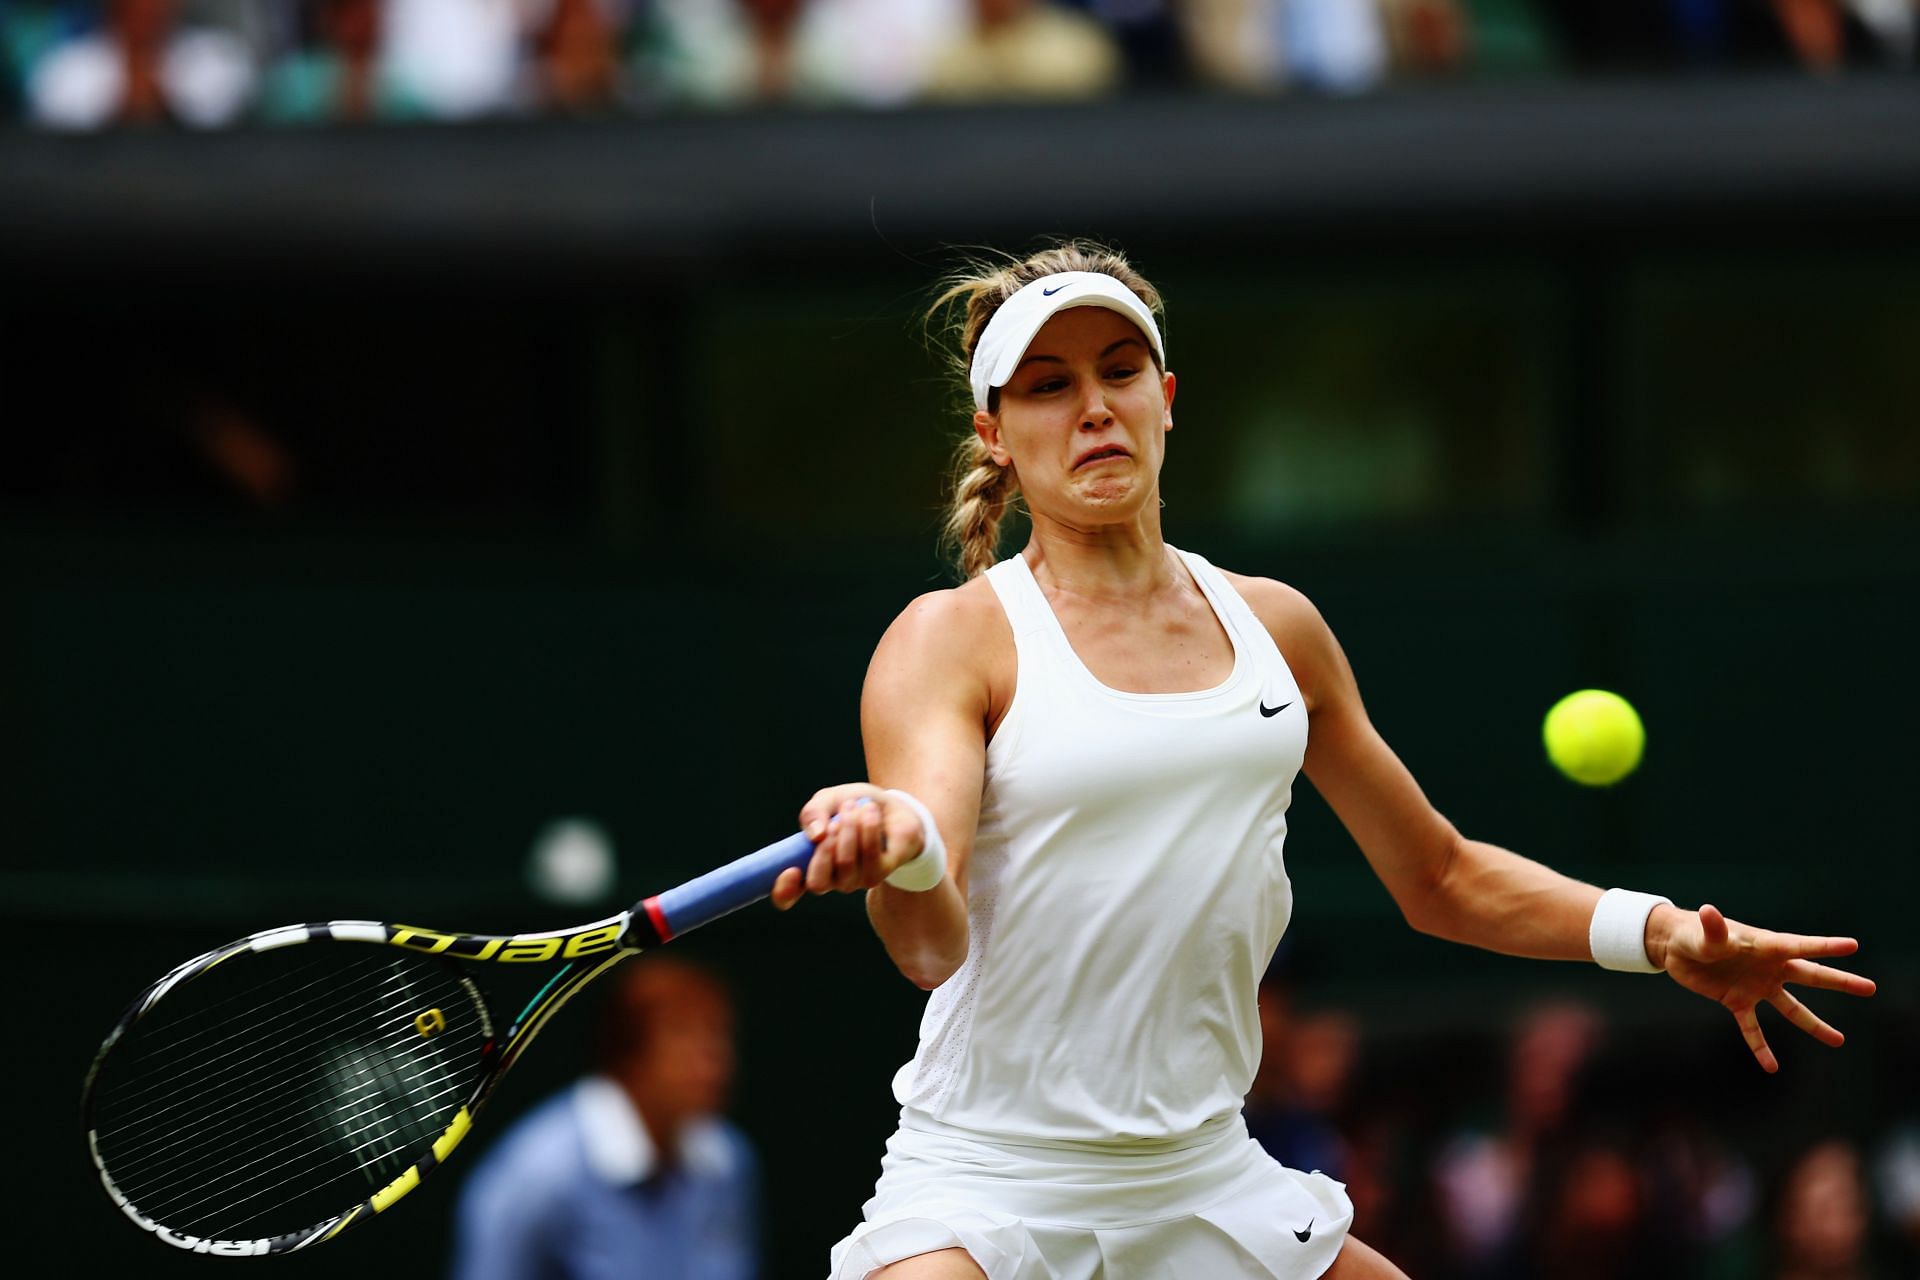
(576, 1191)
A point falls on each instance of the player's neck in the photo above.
(1110, 562)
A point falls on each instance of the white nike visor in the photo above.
(1004, 343)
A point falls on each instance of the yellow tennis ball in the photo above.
(1594, 737)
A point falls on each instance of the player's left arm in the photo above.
(1472, 892)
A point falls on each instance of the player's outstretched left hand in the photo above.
(1741, 966)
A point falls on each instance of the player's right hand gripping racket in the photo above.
(273, 1092)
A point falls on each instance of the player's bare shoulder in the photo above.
(1285, 610)
(946, 644)
(1297, 629)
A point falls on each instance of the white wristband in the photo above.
(1618, 934)
(930, 867)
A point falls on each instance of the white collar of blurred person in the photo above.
(1008, 334)
(619, 1149)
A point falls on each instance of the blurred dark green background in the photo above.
(340, 555)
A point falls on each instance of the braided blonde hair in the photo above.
(982, 490)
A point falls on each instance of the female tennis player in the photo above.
(1081, 763)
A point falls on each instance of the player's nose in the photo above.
(1095, 411)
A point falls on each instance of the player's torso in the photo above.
(1126, 887)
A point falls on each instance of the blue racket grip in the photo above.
(740, 883)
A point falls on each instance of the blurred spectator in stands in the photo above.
(459, 59)
(775, 27)
(1339, 46)
(1893, 25)
(1897, 1178)
(1706, 1193)
(1393, 1199)
(1306, 1067)
(728, 52)
(335, 72)
(875, 53)
(1234, 44)
(1822, 1216)
(577, 51)
(1025, 50)
(1828, 34)
(139, 31)
(142, 65)
(631, 1171)
(878, 53)
(1150, 39)
(1425, 37)
(27, 28)
(1507, 37)
(1590, 1218)
(1483, 1178)
(1816, 31)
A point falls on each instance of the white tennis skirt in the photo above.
(1212, 1205)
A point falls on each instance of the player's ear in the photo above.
(1169, 384)
(987, 427)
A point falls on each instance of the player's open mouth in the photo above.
(1104, 452)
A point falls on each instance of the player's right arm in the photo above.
(924, 717)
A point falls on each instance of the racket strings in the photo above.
(141, 1158)
(379, 1161)
(161, 1091)
(165, 1095)
(297, 1168)
(348, 1102)
(182, 1122)
(135, 1157)
(143, 1107)
(172, 1036)
(348, 1078)
(275, 1091)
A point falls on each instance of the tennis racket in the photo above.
(273, 1092)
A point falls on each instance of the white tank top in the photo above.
(1125, 893)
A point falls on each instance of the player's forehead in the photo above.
(1082, 332)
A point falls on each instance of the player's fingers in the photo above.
(1808, 974)
(789, 888)
(820, 869)
(1806, 1019)
(846, 849)
(872, 830)
(1713, 926)
(817, 812)
(1749, 1020)
(904, 839)
(1824, 948)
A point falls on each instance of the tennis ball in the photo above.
(1594, 737)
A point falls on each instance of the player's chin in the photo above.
(1110, 492)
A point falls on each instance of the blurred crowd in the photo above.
(1566, 1153)
(85, 64)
